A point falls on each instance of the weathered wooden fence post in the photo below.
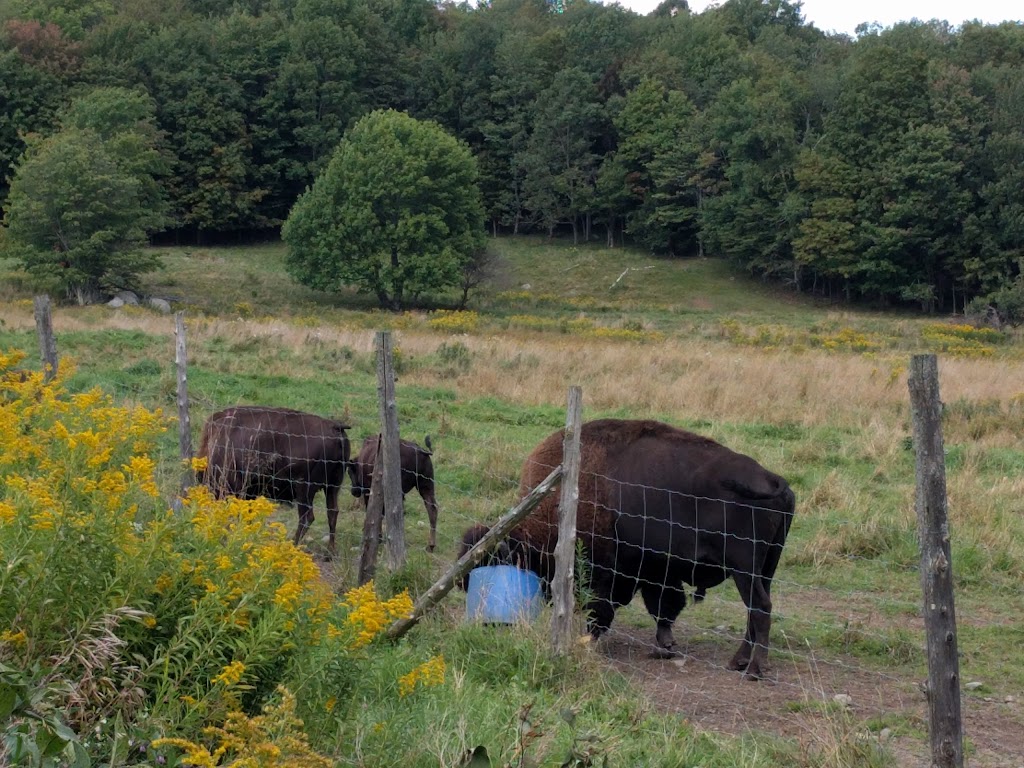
(386, 485)
(184, 420)
(945, 727)
(388, 452)
(565, 549)
(47, 342)
(469, 560)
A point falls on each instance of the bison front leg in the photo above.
(305, 520)
(431, 504)
(331, 499)
(752, 655)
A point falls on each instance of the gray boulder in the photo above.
(128, 297)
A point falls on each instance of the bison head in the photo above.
(500, 555)
(360, 479)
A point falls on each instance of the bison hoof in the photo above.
(738, 664)
(753, 673)
(430, 547)
(666, 652)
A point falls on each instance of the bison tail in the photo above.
(426, 442)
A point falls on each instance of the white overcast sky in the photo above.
(845, 15)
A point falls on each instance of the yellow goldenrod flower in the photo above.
(7, 512)
(273, 739)
(14, 638)
(427, 674)
(231, 674)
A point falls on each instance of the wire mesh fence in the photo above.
(659, 552)
(469, 489)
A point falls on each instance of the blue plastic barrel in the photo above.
(503, 594)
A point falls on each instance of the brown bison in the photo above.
(660, 508)
(417, 472)
(285, 455)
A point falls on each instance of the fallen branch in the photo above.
(628, 269)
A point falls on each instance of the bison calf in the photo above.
(660, 508)
(417, 472)
(282, 454)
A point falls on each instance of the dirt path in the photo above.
(797, 699)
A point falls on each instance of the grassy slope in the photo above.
(814, 392)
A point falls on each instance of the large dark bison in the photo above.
(659, 508)
(282, 454)
(417, 472)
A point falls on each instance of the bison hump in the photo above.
(756, 486)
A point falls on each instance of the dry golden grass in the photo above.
(694, 379)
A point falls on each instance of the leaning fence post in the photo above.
(184, 420)
(47, 342)
(945, 727)
(565, 549)
(388, 453)
(477, 552)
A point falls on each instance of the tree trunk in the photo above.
(398, 288)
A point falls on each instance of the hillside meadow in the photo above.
(814, 391)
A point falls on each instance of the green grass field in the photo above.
(814, 391)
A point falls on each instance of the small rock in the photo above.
(527, 286)
(128, 297)
(116, 303)
(679, 662)
(161, 305)
(973, 686)
(1010, 699)
(720, 628)
(843, 699)
(884, 734)
(987, 698)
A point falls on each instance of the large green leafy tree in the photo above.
(214, 185)
(752, 129)
(658, 156)
(561, 165)
(397, 213)
(124, 120)
(75, 216)
(37, 65)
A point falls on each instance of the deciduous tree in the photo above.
(76, 217)
(397, 213)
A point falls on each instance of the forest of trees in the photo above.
(886, 168)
